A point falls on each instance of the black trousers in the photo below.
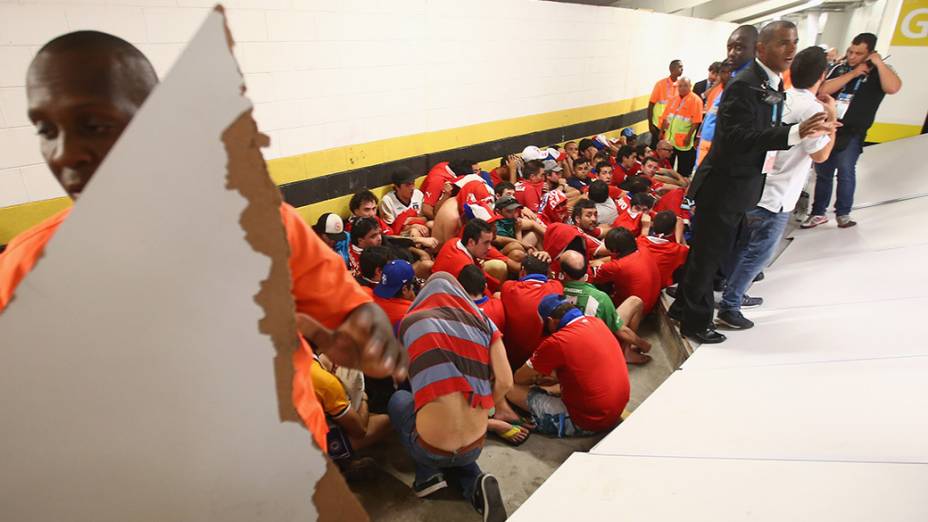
(714, 234)
(686, 160)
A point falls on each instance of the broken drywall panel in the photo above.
(134, 381)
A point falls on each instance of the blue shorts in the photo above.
(550, 415)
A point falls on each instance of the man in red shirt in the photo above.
(396, 290)
(530, 189)
(664, 248)
(581, 355)
(632, 271)
(472, 248)
(475, 284)
(523, 328)
(626, 159)
(636, 218)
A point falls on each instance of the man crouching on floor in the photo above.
(455, 351)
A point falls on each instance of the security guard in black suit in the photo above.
(730, 180)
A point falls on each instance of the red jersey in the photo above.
(591, 369)
(629, 220)
(453, 257)
(434, 182)
(394, 307)
(635, 274)
(528, 194)
(672, 201)
(559, 237)
(493, 307)
(619, 174)
(523, 324)
(669, 255)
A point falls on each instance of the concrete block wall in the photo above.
(333, 73)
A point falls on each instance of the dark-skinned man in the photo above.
(741, 45)
(664, 91)
(731, 179)
(83, 89)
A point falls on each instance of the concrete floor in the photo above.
(520, 470)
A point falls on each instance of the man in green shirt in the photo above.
(622, 321)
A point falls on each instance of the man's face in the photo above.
(588, 218)
(713, 76)
(629, 161)
(405, 190)
(475, 168)
(590, 153)
(778, 53)
(582, 170)
(683, 88)
(480, 248)
(78, 116)
(553, 178)
(857, 54)
(572, 150)
(740, 49)
(725, 75)
(509, 213)
(605, 174)
(367, 209)
(649, 168)
(664, 150)
(676, 69)
(372, 238)
(508, 192)
(560, 211)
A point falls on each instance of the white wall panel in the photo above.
(326, 74)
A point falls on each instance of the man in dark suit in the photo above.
(730, 180)
(701, 87)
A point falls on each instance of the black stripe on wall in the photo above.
(309, 191)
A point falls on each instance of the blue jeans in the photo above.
(461, 468)
(764, 230)
(845, 162)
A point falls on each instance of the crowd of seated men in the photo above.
(552, 259)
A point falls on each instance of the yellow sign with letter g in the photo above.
(912, 25)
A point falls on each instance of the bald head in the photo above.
(684, 86)
(83, 89)
(99, 61)
(573, 264)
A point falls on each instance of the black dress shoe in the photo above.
(707, 336)
(675, 312)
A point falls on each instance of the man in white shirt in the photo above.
(766, 222)
(401, 208)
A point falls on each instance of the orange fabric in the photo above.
(22, 253)
(682, 114)
(313, 267)
(318, 273)
(689, 106)
(394, 307)
(664, 90)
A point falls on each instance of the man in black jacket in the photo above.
(730, 180)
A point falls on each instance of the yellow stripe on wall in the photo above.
(17, 218)
(881, 132)
(323, 162)
(339, 205)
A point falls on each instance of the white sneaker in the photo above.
(814, 221)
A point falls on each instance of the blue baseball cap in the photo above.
(549, 304)
(629, 133)
(395, 275)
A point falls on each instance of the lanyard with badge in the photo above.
(774, 98)
(844, 98)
